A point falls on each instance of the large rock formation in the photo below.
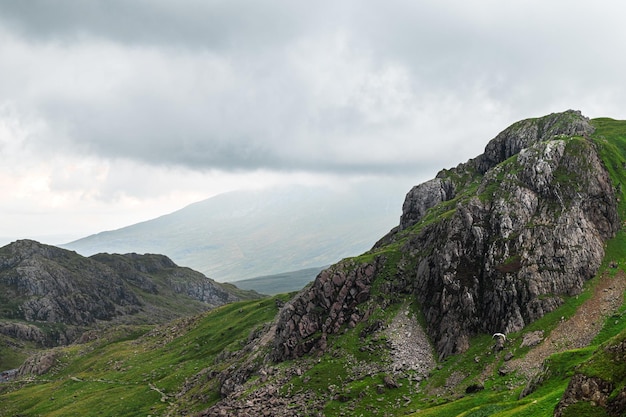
(331, 302)
(488, 246)
(48, 284)
(142, 270)
(44, 284)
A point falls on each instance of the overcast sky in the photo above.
(117, 111)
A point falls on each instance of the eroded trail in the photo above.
(580, 329)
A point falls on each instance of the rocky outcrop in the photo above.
(424, 196)
(526, 133)
(45, 284)
(583, 388)
(488, 246)
(39, 363)
(508, 143)
(55, 336)
(532, 233)
(606, 391)
(158, 273)
(23, 331)
(333, 301)
(55, 285)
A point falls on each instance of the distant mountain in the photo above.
(279, 283)
(246, 234)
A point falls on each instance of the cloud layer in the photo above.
(336, 89)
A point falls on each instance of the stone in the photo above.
(584, 388)
(390, 382)
(532, 338)
(471, 389)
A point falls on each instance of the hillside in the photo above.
(245, 234)
(526, 240)
(279, 283)
(50, 296)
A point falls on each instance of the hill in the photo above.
(245, 234)
(50, 296)
(526, 241)
(279, 283)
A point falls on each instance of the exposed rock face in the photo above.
(583, 388)
(138, 270)
(41, 283)
(424, 196)
(332, 301)
(56, 285)
(32, 333)
(488, 246)
(533, 232)
(525, 133)
(39, 364)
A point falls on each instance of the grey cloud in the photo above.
(346, 86)
(187, 23)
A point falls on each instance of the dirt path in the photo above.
(580, 329)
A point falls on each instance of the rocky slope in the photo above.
(488, 246)
(50, 295)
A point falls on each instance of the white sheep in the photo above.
(501, 335)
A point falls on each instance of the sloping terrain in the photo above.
(51, 296)
(246, 234)
(526, 239)
(578, 331)
(129, 371)
(279, 283)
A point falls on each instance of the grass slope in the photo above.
(279, 283)
(135, 370)
(174, 369)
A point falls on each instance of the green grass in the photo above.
(112, 376)
(10, 356)
(279, 283)
(606, 363)
(610, 139)
(584, 409)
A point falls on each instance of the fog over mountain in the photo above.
(247, 234)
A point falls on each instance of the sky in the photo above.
(118, 111)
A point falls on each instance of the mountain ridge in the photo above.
(50, 296)
(245, 234)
